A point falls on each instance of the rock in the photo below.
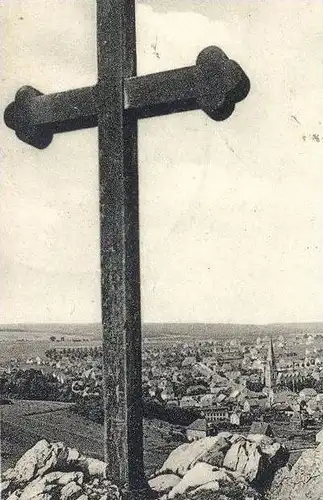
(71, 491)
(243, 458)
(66, 477)
(280, 477)
(236, 437)
(108, 496)
(232, 456)
(259, 438)
(252, 468)
(181, 459)
(225, 434)
(305, 479)
(215, 455)
(35, 490)
(49, 483)
(14, 496)
(164, 483)
(92, 467)
(4, 488)
(200, 474)
(68, 458)
(256, 458)
(44, 496)
(51, 471)
(35, 462)
(211, 486)
(73, 455)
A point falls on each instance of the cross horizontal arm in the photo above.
(161, 93)
(72, 105)
(35, 117)
(214, 85)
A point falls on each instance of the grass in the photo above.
(25, 422)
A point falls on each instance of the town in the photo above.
(263, 385)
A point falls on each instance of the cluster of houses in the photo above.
(228, 381)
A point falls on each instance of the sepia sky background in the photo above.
(231, 212)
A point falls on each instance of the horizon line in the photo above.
(163, 323)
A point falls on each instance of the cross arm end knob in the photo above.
(220, 83)
(18, 116)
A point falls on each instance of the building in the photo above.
(197, 430)
(188, 402)
(212, 414)
(261, 428)
(270, 368)
(235, 418)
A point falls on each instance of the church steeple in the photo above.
(271, 355)
(270, 367)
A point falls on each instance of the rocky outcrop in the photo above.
(199, 476)
(182, 458)
(304, 481)
(216, 454)
(227, 462)
(220, 467)
(53, 470)
(164, 483)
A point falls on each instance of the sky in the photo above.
(230, 212)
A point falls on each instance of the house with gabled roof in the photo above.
(261, 428)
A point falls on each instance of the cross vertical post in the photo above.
(215, 84)
(120, 273)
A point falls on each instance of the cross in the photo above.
(215, 84)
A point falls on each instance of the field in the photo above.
(33, 348)
(22, 341)
(26, 422)
(25, 341)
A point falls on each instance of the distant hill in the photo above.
(182, 330)
(80, 329)
(216, 330)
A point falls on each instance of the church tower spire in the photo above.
(270, 367)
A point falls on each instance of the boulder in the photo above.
(199, 475)
(280, 477)
(225, 435)
(14, 496)
(43, 496)
(274, 450)
(68, 458)
(71, 491)
(92, 467)
(256, 458)
(4, 488)
(164, 483)
(36, 490)
(53, 470)
(35, 462)
(235, 437)
(232, 456)
(211, 486)
(215, 455)
(254, 465)
(181, 459)
(49, 483)
(305, 479)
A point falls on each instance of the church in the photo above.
(270, 373)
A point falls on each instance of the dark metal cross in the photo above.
(115, 104)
